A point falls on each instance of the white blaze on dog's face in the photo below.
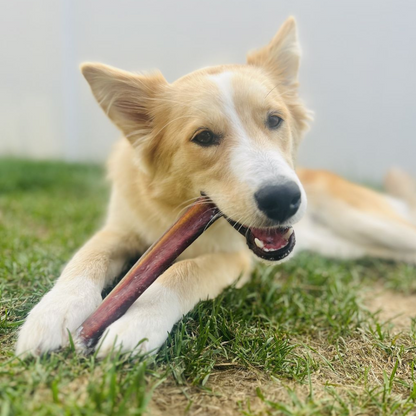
(230, 132)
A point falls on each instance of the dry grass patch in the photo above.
(395, 307)
(351, 377)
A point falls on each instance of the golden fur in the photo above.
(157, 171)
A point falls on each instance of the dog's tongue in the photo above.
(271, 238)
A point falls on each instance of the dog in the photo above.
(231, 132)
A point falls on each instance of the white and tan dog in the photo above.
(231, 132)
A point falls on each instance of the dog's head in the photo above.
(230, 132)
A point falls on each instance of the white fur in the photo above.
(252, 163)
(401, 207)
(64, 308)
(317, 237)
(149, 319)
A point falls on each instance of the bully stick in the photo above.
(147, 269)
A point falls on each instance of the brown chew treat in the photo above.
(148, 268)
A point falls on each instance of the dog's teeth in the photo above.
(259, 243)
(288, 233)
(269, 249)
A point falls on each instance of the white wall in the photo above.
(358, 70)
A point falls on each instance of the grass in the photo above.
(298, 339)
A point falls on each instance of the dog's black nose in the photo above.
(279, 202)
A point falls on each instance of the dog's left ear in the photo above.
(281, 56)
(126, 98)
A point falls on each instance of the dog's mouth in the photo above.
(271, 244)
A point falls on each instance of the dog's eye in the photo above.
(206, 138)
(273, 121)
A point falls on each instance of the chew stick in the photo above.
(148, 268)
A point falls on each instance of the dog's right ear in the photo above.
(125, 97)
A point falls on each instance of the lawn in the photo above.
(310, 337)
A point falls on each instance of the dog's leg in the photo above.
(76, 294)
(174, 294)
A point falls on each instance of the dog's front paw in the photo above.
(64, 308)
(145, 326)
